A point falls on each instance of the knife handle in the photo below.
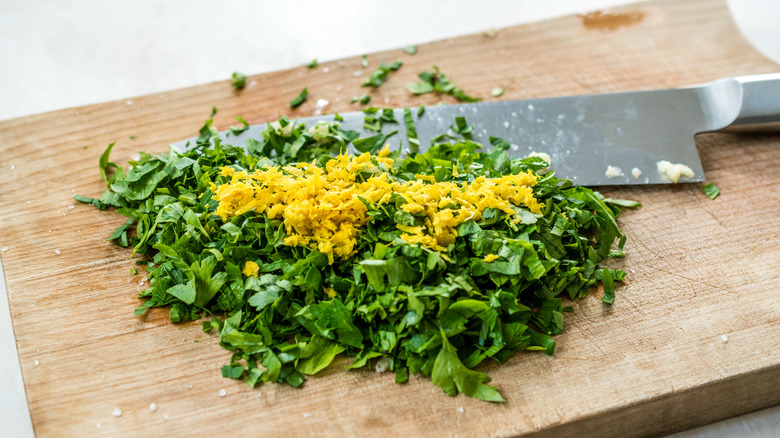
(760, 103)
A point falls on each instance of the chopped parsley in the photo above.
(313, 64)
(374, 118)
(438, 82)
(711, 190)
(236, 130)
(378, 76)
(239, 81)
(364, 61)
(411, 131)
(410, 50)
(497, 92)
(300, 98)
(365, 99)
(431, 263)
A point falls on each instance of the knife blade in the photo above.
(586, 134)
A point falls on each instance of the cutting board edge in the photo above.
(658, 416)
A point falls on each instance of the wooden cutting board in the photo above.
(655, 362)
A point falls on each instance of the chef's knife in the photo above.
(583, 135)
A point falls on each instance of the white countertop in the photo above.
(66, 53)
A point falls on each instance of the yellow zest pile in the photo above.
(320, 207)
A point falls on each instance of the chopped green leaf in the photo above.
(236, 130)
(497, 92)
(625, 203)
(300, 98)
(711, 190)
(378, 77)
(105, 165)
(438, 82)
(609, 287)
(313, 64)
(365, 99)
(411, 50)
(239, 81)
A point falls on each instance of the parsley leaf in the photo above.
(236, 130)
(711, 190)
(105, 165)
(378, 76)
(239, 81)
(410, 50)
(438, 82)
(300, 98)
(365, 99)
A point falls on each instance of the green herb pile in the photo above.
(396, 305)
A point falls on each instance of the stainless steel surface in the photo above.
(585, 134)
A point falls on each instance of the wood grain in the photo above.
(652, 363)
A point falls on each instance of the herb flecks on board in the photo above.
(432, 262)
(438, 82)
(378, 76)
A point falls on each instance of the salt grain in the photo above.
(35, 362)
(98, 425)
(4, 249)
(129, 102)
(70, 207)
(326, 69)
(357, 73)
(13, 166)
(116, 412)
(460, 409)
(222, 393)
(636, 172)
(56, 251)
(153, 407)
(306, 415)
(724, 338)
(166, 417)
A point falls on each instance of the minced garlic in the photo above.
(674, 171)
(321, 207)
